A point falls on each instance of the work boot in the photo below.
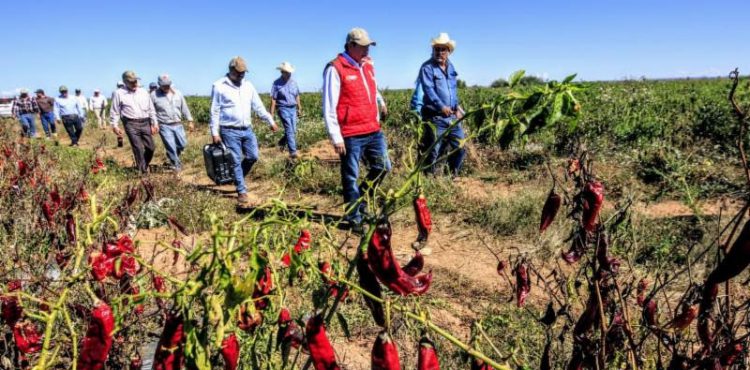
(243, 199)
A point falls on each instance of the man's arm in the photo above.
(428, 87)
(257, 106)
(114, 111)
(213, 124)
(331, 92)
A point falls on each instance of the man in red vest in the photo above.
(350, 111)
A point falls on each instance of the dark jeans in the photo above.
(451, 143)
(141, 141)
(48, 122)
(74, 127)
(372, 149)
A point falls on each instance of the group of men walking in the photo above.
(352, 111)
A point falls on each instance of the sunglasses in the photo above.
(440, 49)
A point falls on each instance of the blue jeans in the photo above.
(174, 139)
(372, 149)
(244, 148)
(449, 144)
(48, 123)
(27, 124)
(288, 117)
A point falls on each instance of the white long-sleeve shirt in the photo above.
(83, 103)
(331, 93)
(233, 106)
(131, 104)
(97, 102)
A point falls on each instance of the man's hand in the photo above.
(191, 126)
(154, 129)
(217, 139)
(299, 112)
(116, 130)
(447, 111)
(340, 148)
(383, 110)
(274, 128)
(459, 113)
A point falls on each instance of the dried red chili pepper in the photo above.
(27, 337)
(415, 264)
(12, 311)
(327, 274)
(286, 260)
(369, 282)
(230, 352)
(650, 311)
(523, 284)
(385, 267)
(549, 210)
(424, 219)
(132, 196)
(592, 198)
(321, 351)
(289, 333)
(54, 196)
(177, 245)
(303, 242)
(730, 353)
(136, 363)
(641, 291)
(148, 187)
(171, 220)
(49, 213)
(98, 340)
(577, 248)
(70, 229)
(248, 319)
(428, 359)
(169, 351)
(606, 262)
(705, 329)
(263, 287)
(125, 265)
(589, 317)
(159, 285)
(501, 266)
(686, 316)
(385, 353)
(100, 265)
(478, 364)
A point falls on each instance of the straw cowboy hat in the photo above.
(444, 40)
(285, 67)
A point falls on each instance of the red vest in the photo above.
(357, 111)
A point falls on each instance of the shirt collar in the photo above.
(350, 60)
(230, 83)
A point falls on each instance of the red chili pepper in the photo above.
(641, 290)
(289, 333)
(369, 282)
(589, 317)
(70, 229)
(49, 213)
(23, 169)
(577, 249)
(686, 316)
(385, 353)
(263, 287)
(606, 262)
(415, 265)
(385, 267)
(126, 265)
(321, 351)
(132, 196)
(286, 260)
(523, 284)
(98, 340)
(176, 244)
(592, 197)
(148, 187)
(169, 351)
(428, 359)
(230, 351)
(248, 319)
(650, 311)
(550, 209)
(303, 242)
(159, 284)
(705, 329)
(100, 265)
(54, 196)
(424, 219)
(478, 364)
(7, 151)
(12, 311)
(501, 266)
(82, 195)
(27, 337)
(136, 363)
(730, 354)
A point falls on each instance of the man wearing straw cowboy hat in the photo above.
(350, 111)
(285, 96)
(441, 107)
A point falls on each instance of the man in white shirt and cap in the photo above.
(233, 99)
(133, 105)
(83, 103)
(171, 111)
(97, 104)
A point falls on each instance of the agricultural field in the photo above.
(594, 226)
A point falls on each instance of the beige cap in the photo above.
(444, 40)
(360, 37)
(285, 67)
(238, 64)
(129, 76)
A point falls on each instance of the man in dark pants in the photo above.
(69, 112)
(46, 113)
(134, 107)
(352, 118)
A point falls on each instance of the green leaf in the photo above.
(344, 324)
(570, 78)
(197, 355)
(557, 106)
(516, 77)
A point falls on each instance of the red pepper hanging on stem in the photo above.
(424, 219)
(385, 353)
(428, 359)
(98, 339)
(321, 351)
(383, 264)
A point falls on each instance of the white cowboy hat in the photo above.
(444, 39)
(285, 67)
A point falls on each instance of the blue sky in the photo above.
(88, 44)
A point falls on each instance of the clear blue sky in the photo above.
(88, 44)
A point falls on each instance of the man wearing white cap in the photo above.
(171, 110)
(97, 103)
(440, 106)
(133, 105)
(285, 96)
(350, 111)
(232, 101)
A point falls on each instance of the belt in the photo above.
(171, 123)
(69, 116)
(241, 128)
(136, 120)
